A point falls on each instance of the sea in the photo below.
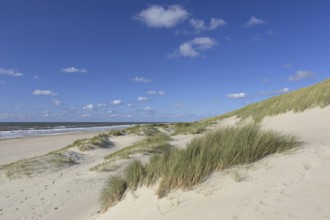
(30, 129)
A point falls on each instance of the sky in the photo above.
(110, 61)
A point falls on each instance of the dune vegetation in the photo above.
(317, 95)
(185, 168)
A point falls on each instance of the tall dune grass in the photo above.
(218, 150)
(317, 95)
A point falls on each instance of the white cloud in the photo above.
(142, 99)
(254, 22)
(101, 105)
(193, 47)
(56, 102)
(43, 92)
(89, 107)
(157, 16)
(161, 93)
(85, 115)
(240, 95)
(216, 22)
(117, 102)
(300, 75)
(141, 79)
(154, 92)
(200, 25)
(10, 72)
(35, 77)
(187, 50)
(129, 105)
(276, 92)
(73, 69)
(148, 109)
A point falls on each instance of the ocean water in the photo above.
(29, 129)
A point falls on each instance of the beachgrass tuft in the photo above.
(113, 192)
(217, 150)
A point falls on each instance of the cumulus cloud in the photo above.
(192, 48)
(154, 92)
(142, 98)
(254, 22)
(89, 107)
(73, 69)
(200, 25)
(157, 16)
(141, 79)
(10, 72)
(44, 92)
(117, 102)
(240, 95)
(276, 92)
(300, 75)
(56, 102)
(148, 109)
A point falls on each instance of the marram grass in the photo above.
(218, 150)
(113, 192)
(300, 100)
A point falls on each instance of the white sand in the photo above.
(72, 193)
(19, 148)
(293, 185)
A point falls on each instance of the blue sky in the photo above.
(100, 60)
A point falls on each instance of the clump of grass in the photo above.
(297, 101)
(141, 147)
(134, 174)
(218, 150)
(41, 164)
(190, 128)
(116, 133)
(98, 141)
(113, 192)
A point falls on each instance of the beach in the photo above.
(290, 185)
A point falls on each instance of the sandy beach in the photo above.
(20, 148)
(292, 185)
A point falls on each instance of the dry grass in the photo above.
(218, 150)
(317, 95)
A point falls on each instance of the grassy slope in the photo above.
(185, 168)
(218, 150)
(297, 101)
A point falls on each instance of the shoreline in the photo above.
(13, 149)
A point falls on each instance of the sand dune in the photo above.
(293, 185)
